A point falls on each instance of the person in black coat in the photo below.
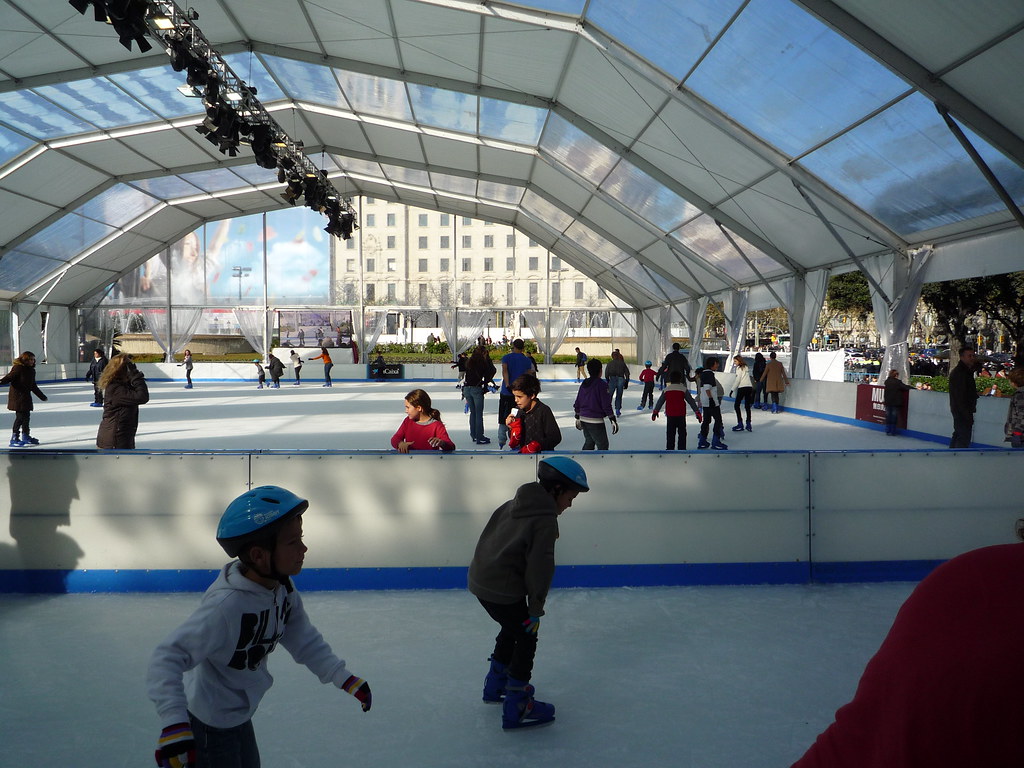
(276, 368)
(22, 379)
(124, 390)
(963, 398)
(99, 362)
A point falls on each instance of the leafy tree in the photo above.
(1003, 301)
(954, 302)
(848, 294)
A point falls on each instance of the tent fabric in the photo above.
(671, 150)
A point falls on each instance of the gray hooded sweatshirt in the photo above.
(515, 556)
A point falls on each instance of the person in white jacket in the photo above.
(208, 676)
(744, 388)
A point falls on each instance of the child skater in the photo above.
(422, 430)
(592, 406)
(532, 427)
(22, 378)
(260, 373)
(187, 362)
(647, 377)
(675, 399)
(511, 574)
(221, 649)
(297, 366)
(328, 364)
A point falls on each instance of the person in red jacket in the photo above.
(422, 429)
(675, 398)
(531, 425)
(946, 688)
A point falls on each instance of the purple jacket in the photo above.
(593, 401)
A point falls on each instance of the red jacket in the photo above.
(418, 435)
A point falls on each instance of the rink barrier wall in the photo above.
(928, 416)
(144, 521)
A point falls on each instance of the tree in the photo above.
(1003, 300)
(954, 302)
(848, 294)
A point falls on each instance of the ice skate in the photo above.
(26, 440)
(717, 444)
(702, 443)
(738, 427)
(495, 682)
(16, 442)
(521, 710)
(775, 407)
(749, 428)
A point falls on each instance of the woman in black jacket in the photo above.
(124, 390)
(479, 371)
(22, 378)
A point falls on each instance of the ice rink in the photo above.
(686, 676)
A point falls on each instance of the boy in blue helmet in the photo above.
(511, 574)
(208, 677)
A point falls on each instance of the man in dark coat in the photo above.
(677, 361)
(99, 362)
(963, 398)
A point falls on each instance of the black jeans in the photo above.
(744, 396)
(963, 426)
(595, 435)
(514, 646)
(675, 426)
(21, 420)
(712, 412)
(225, 747)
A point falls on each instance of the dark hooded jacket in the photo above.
(22, 379)
(121, 401)
(515, 556)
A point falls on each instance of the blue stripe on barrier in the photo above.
(566, 576)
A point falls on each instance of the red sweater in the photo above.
(946, 689)
(418, 434)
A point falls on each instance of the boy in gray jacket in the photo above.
(511, 574)
(209, 675)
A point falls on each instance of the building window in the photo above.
(533, 294)
(371, 219)
(350, 265)
(556, 294)
(489, 292)
(351, 243)
(421, 243)
(444, 265)
(534, 264)
(510, 264)
(370, 200)
(556, 264)
(370, 292)
(391, 241)
(423, 265)
(423, 294)
(391, 265)
(488, 265)
(467, 294)
(467, 265)
(579, 291)
(422, 218)
(466, 221)
(446, 241)
(349, 294)
(488, 241)
(532, 243)
(467, 241)
(391, 219)
(445, 295)
(392, 291)
(510, 294)
(510, 241)
(445, 220)
(371, 265)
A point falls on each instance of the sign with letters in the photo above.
(385, 371)
(871, 405)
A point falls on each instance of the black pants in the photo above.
(225, 747)
(514, 646)
(963, 426)
(712, 412)
(675, 429)
(21, 419)
(744, 396)
(97, 394)
(647, 398)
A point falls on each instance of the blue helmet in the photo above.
(560, 470)
(254, 511)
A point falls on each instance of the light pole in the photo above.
(240, 272)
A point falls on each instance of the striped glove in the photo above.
(360, 689)
(177, 747)
(531, 625)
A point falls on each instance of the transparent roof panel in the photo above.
(373, 95)
(443, 109)
(458, 184)
(249, 68)
(789, 78)
(572, 148)
(651, 199)
(544, 211)
(118, 205)
(516, 123)
(671, 34)
(66, 238)
(502, 193)
(407, 175)
(41, 119)
(97, 101)
(905, 168)
(363, 167)
(12, 144)
(572, 7)
(23, 269)
(216, 180)
(306, 82)
(167, 187)
(704, 238)
(157, 88)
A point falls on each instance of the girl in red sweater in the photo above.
(422, 430)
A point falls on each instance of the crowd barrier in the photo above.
(145, 521)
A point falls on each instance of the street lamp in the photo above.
(240, 272)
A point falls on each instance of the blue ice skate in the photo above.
(521, 710)
(495, 682)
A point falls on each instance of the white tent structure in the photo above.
(676, 151)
